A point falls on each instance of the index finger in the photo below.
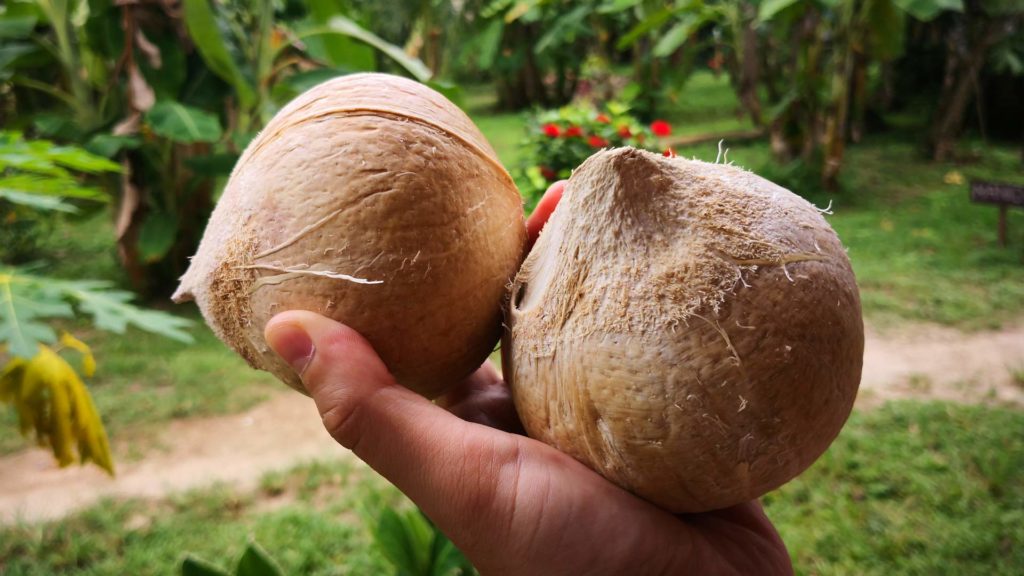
(548, 202)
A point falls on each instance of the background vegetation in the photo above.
(122, 120)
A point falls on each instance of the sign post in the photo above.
(1004, 195)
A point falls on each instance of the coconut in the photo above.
(689, 330)
(375, 201)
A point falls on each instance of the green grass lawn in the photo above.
(706, 105)
(908, 488)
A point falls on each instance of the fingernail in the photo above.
(292, 343)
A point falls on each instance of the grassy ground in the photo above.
(312, 520)
(911, 489)
(707, 105)
(906, 489)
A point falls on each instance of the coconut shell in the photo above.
(375, 201)
(689, 330)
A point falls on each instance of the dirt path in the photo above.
(236, 449)
(935, 362)
(920, 362)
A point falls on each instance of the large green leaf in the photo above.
(157, 235)
(183, 123)
(564, 29)
(652, 22)
(108, 145)
(414, 66)
(616, 6)
(256, 562)
(926, 10)
(202, 28)
(36, 201)
(885, 25)
(112, 310)
(339, 50)
(28, 300)
(490, 43)
(25, 306)
(770, 8)
(676, 36)
(406, 540)
(16, 26)
(193, 566)
(9, 54)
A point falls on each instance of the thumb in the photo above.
(443, 463)
(350, 384)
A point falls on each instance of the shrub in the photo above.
(560, 140)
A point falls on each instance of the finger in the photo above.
(548, 202)
(451, 468)
(483, 398)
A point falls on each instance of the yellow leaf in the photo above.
(51, 399)
(953, 177)
(88, 360)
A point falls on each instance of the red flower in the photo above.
(661, 128)
(552, 130)
(624, 131)
(603, 119)
(597, 142)
(573, 131)
(548, 173)
(669, 152)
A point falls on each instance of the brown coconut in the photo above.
(375, 201)
(689, 330)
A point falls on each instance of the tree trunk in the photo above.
(966, 50)
(750, 66)
(859, 105)
(836, 113)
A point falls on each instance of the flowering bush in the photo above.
(560, 140)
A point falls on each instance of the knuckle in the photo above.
(346, 419)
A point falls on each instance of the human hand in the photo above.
(513, 505)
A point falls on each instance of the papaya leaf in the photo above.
(51, 400)
(24, 307)
(36, 201)
(28, 301)
(182, 123)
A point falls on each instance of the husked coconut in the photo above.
(689, 330)
(375, 201)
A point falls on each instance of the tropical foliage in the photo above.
(38, 373)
